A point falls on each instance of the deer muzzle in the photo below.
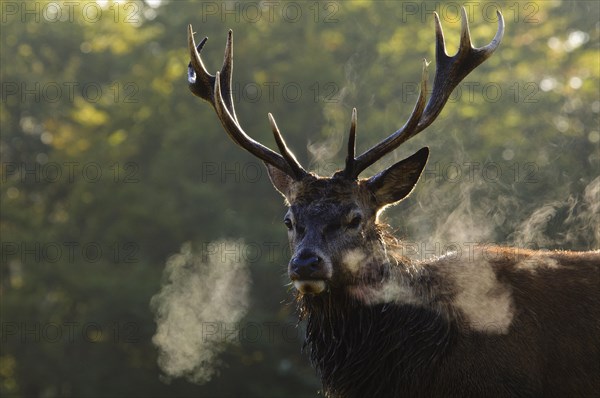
(309, 272)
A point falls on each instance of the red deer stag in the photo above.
(503, 323)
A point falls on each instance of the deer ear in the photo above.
(397, 181)
(280, 180)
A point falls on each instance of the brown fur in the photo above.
(500, 322)
(497, 322)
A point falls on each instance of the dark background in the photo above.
(110, 165)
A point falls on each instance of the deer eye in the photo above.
(355, 222)
(288, 223)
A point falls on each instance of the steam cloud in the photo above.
(490, 214)
(198, 292)
(578, 219)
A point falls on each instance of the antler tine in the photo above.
(351, 143)
(394, 140)
(299, 172)
(199, 80)
(235, 132)
(227, 74)
(217, 91)
(450, 71)
(201, 83)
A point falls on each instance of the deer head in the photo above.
(336, 239)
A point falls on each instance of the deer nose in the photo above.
(307, 265)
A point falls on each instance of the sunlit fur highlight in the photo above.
(501, 322)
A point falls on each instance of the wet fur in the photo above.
(498, 322)
(390, 349)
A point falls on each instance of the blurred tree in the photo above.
(109, 164)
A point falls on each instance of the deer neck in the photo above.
(377, 327)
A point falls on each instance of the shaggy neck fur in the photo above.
(376, 348)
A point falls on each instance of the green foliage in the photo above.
(143, 166)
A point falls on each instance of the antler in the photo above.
(217, 90)
(450, 71)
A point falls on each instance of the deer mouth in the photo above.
(310, 286)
